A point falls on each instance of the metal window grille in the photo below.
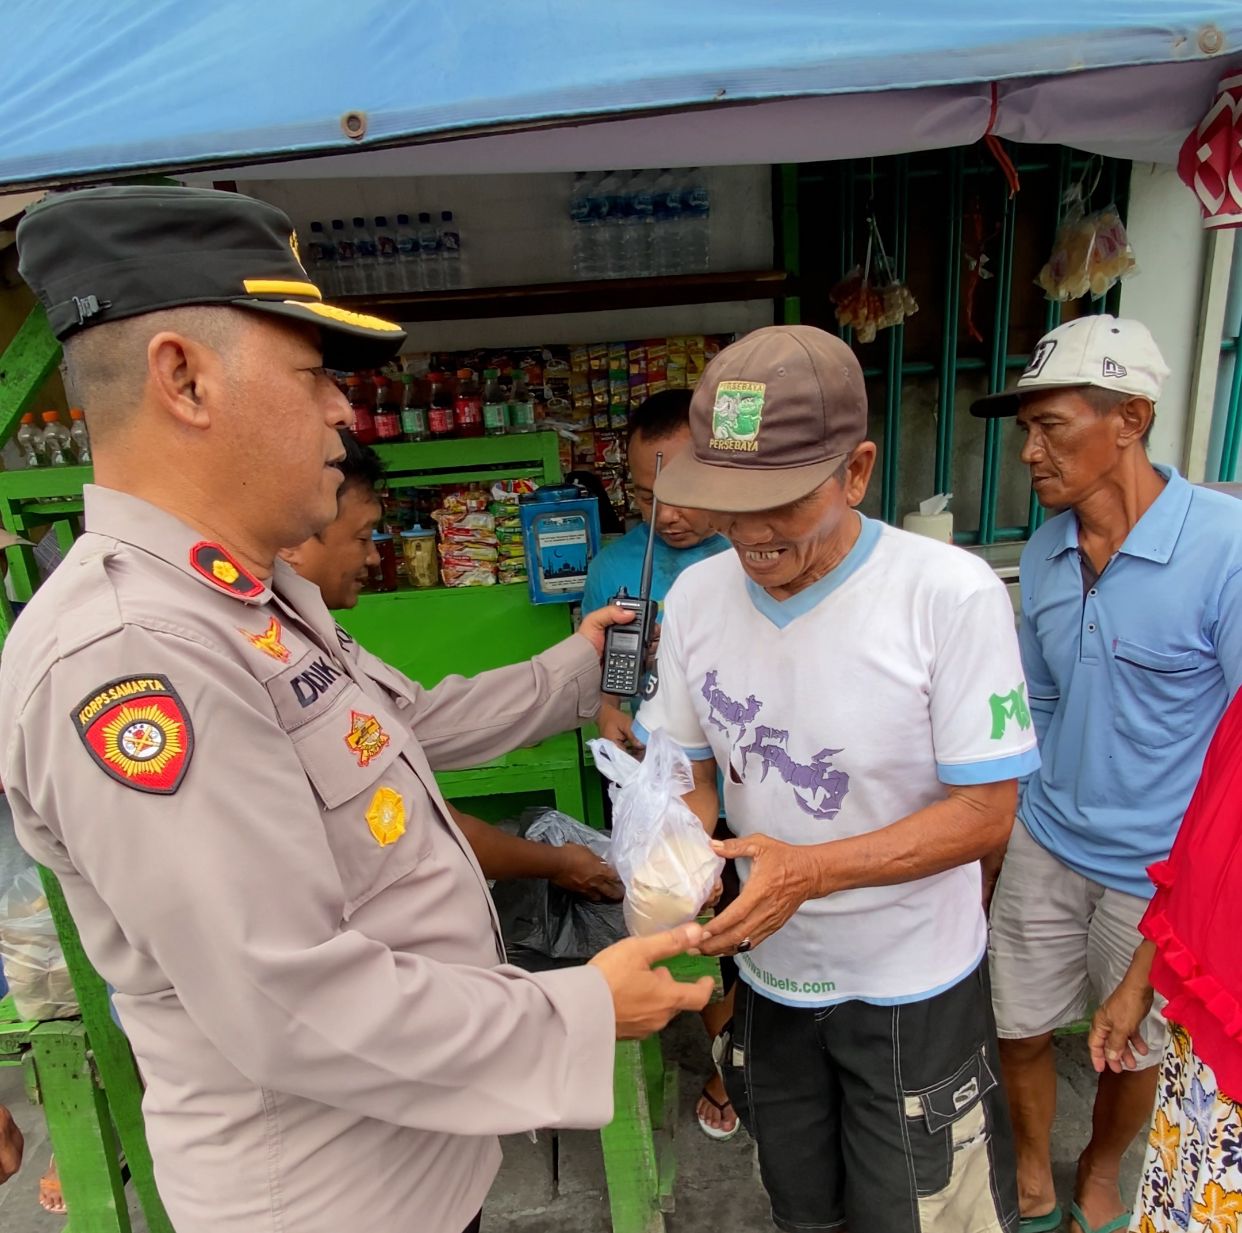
(931, 210)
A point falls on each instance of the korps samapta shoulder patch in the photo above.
(138, 731)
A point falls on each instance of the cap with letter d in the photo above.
(773, 417)
(99, 255)
(1108, 353)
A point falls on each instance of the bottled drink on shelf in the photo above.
(345, 260)
(366, 256)
(408, 275)
(450, 249)
(30, 441)
(386, 255)
(521, 405)
(614, 205)
(79, 436)
(56, 440)
(440, 421)
(387, 411)
(585, 213)
(637, 223)
(666, 234)
(413, 408)
(468, 405)
(361, 394)
(697, 221)
(430, 268)
(495, 408)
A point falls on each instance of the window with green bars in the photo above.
(936, 213)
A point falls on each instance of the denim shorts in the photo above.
(882, 1119)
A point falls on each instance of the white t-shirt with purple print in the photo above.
(837, 712)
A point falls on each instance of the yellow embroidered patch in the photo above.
(226, 571)
(386, 816)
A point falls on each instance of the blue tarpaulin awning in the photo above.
(91, 88)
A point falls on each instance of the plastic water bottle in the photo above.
(614, 203)
(366, 251)
(450, 249)
(409, 276)
(666, 234)
(429, 254)
(79, 436)
(55, 440)
(495, 408)
(585, 212)
(318, 262)
(696, 227)
(637, 224)
(30, 441)
(521, 405)
(345, 258)
(385, 255)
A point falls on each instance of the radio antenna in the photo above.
(644, 586)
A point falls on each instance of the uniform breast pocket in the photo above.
(1156, 693)
(352, 757)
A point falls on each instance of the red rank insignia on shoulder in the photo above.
(215, 563)
(137, 730)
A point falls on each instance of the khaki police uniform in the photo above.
(240, 804)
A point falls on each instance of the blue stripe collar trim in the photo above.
(782, 612)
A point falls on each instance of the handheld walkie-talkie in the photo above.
(626, 646)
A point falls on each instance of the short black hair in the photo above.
(361, 465)
(661, 416)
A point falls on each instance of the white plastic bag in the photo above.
(659, 848)
(33, 962)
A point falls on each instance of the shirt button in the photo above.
(1090, 629)
(1093, 591)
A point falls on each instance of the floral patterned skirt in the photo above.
(1192, 1174)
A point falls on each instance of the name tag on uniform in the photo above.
(307, 689)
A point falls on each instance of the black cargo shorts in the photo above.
(879, 1119)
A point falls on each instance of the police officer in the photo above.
(239, 801)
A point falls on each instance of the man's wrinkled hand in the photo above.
(779, 884)
(11, 1145)
(644, 999)
(583, 873)
(1116, 1028)
(594, 624)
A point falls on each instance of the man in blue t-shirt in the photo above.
(659, 425)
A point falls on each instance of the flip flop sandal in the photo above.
(1117, 1225)
(714, 1132)
(1050, 1222)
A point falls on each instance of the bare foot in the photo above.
(722, 1119)
(51, 1199)
(1099, 1197)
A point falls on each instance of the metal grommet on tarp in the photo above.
(354, 125)
(1211, 40)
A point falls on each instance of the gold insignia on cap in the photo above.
(293, 244)
(386, 816)
(345, 317)
(280, 286)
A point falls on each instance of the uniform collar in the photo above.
(1155, 535)
(120, 516)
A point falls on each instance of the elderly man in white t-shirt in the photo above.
(861, 691)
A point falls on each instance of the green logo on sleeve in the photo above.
(1012, 706)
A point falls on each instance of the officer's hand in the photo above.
(1117, 1027)
(593, 625)
(583, 873)
(11, 1144)
(778, 885)
(645, 1000)
(618, 727)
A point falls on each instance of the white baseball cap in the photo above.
(1109, 353)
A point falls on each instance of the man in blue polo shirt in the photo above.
(1131, 641)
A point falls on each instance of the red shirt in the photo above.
(1194, 917)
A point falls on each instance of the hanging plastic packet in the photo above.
(866, 304)
(1091, 252)
(659, 848)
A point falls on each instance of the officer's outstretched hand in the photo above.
(645, 1000)
(594, 624)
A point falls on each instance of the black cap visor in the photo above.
(351, 341)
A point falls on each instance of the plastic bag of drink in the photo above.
(659, 848)
(1090, 255)
(30, 951)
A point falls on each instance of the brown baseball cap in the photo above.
(774, 415)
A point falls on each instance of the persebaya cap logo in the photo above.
(737, 415)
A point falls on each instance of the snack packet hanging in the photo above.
(1090, 255)
(659, 848)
